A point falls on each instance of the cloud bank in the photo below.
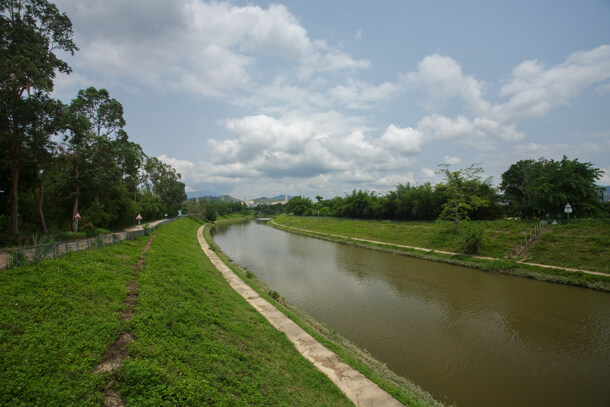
(311, 124)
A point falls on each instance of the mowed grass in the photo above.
(199, 343)
(57, 318)
(578, 246)
(500, 236)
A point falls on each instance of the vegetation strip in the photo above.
(57, 319)
(117, 352)
(423, 249)
(359, 389)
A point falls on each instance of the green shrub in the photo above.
(472, 241)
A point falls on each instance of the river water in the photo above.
(468, 337)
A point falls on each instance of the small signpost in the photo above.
(77, 217)
(139, 218)
(166, 216)
(568, 210)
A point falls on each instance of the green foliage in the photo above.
(299, 205)
(90, 166)
(31, 31)
(577, 245)
(164, 181)
(472, 240)
(58, 317)
(462, 193)
(582, 245)
(200, 343)
(542, 188)
(208, 210)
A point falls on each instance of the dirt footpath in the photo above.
(360, 390)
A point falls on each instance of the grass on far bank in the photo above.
(501, 236)
(582, 246)
(200, 343)
(57, 318)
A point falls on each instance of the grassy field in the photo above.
(197, 341)
(582, 246)
(57, 318)
(500, 236)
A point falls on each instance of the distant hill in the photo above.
(268, 201)
(212, 198)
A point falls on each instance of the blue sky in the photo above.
(315, 97)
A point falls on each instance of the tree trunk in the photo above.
(14, 228)
(43, 224)
(457, 215)
(76, 194)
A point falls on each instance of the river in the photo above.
(467, 337)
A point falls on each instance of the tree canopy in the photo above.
(541, 188)
(79, 156)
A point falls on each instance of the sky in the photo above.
(311, 97)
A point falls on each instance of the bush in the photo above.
(472, 241)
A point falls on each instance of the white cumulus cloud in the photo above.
(405, 141)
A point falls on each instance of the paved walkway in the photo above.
(360, 390)
(423, 249)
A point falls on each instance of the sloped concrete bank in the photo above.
(360, 390)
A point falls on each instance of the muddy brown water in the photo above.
(468, 337)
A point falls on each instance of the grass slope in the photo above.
(500, 236)
(57, 318)
(583, 246)
(199, 343)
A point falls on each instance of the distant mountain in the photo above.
(212, 198)
(268, 201)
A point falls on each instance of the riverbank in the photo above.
(195, 340)
(436, 242)
(397, 386)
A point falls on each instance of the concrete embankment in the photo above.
(360, 390)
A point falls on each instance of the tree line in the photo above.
(60, 160)
(530, 189)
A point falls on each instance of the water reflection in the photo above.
(479, 339)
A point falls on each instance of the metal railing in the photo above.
(19, 256)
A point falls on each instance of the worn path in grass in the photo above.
(360, 390)
(117, 352)
(423, 249)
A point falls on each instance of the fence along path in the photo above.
(18, 256)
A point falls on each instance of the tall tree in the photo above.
(30, 33)
(462, 197)
(45, 122)
(541, 188)
(165, 183)
(97, 141)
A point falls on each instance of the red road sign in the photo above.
(139, 217)
(77, 215)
